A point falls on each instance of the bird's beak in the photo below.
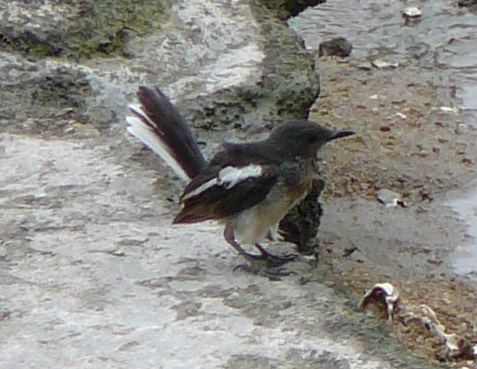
(341, 134)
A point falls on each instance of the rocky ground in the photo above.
(408, 141)
(93, 274)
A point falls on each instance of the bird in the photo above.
(248, 187)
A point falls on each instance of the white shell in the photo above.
(387, 288)
(389, 198)
(391, 297)
(412, 12)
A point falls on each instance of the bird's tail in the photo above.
(156, 122)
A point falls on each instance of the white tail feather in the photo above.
(146, 135)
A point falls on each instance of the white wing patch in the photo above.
(203, 187)
(228, 177)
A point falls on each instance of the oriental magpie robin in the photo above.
(249, 187)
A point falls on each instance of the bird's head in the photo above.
(301, 138)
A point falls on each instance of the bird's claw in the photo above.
(277, 260)
(274, 260)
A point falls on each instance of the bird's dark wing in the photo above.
(221, 191)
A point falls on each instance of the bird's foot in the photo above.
(264, 263)
(274, 260)
(267, 264)
(277, 260)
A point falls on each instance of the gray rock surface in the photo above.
(227, 62)
(94, 275)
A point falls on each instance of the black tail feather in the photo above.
(160, 126)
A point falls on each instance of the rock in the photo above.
(467, 2)
(384, 64)
(389, 198)
(335, 47)
(301, 225)
(364, 66)
(203, 64)
(447, 109)
(418, 50)
(290, 8)
(461, 129)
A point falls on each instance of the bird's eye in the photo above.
(312, 139)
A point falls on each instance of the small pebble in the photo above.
(467, 2)
(381, 64)
(446, 109)
(364, 66)
(389, 198)
(461, 129)
(338, 46)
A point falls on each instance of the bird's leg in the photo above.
(275, 259)
(265, 259)
(230, 238)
